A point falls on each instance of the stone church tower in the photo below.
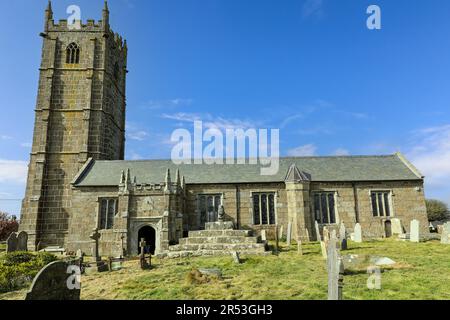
(80, 114)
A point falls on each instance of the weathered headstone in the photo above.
(263, 235)
(397, 228)
(143, 261)
(445, 234)
(316, 225)
(277, 240)
(221, 214)
(236, 257)
(299, 246)
(324, 243)
(280, 234)
(22, 241)
(122, 248)
(357, 236)
(79, 253)
(335, 269)
(414, 235)
(11, 243)
(289, 234)
(59, 280)
(343, 236)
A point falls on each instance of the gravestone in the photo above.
(289, 234)
(316, 225)
(445, 233)
(221, 214)
(335, 269)
(79, 253)
(236, 257)
(96, 237)
(299, 246)
(277, 240)
(58, 280)
(397, 228)
(343, 236)
(280, 234)
(357, 236)
(122, 248)
(414, 231)
(263, 235)
(22, 241)
(143, 261)
(11, 243)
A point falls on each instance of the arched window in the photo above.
(73, 54)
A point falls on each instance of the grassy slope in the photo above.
(422, 272)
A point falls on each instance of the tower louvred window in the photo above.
(73, 54)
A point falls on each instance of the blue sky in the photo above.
(308, 67)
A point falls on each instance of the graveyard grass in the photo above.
(421, 272)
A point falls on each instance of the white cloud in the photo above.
(303, 151)
(12, 171)
(168, 104)
(135, 156)
(430, 153)
(341, 152)
(26, 145)
(5, 137)
(210, 121)
(133, 132)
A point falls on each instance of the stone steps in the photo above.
(219, 233)
(240, 247)
(201, 253)
(218, 240)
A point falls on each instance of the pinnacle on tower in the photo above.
(48, 15)
(168, 181)
(105, 17)
(178, 179)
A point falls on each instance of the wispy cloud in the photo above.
(13, 171)
(5, 137)
(313, 8)
(133, 132)
(26, 145)
(430, 153)
(341, 152)
(210, 121)
(303, 151)
(167, 104)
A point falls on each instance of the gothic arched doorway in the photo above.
(149, 235)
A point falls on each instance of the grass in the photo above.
(422, 272)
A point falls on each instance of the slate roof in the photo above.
(319, 169)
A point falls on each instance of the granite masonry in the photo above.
(78, 179)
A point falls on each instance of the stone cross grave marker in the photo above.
(316, 225)
(143, 261)
(289, 234)
(335, 269)
(11, 243)
(122, 249)
(96, 237)
(414, 231)
(57, 281)
(343, 236)
(445, 233)
(22, 241)
(357, 237)
(236, 257)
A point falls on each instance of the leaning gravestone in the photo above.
(445, 235)
(397, 228)
(56, 281)
(343, 236)
(236, 257)
(22, 241)
(11, 243)
(414, 231)
(335, 269)
(357, 237)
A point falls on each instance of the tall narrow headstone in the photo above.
(396, 226)
(316, 225)
(445, 239)
(414, 231)
(335, 269)
(289, 234)
(299, 246)
(357, 237)
(263, 235)
(280, 234)
(343, 236)
(277, 240)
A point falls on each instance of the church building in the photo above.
(78, 180)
